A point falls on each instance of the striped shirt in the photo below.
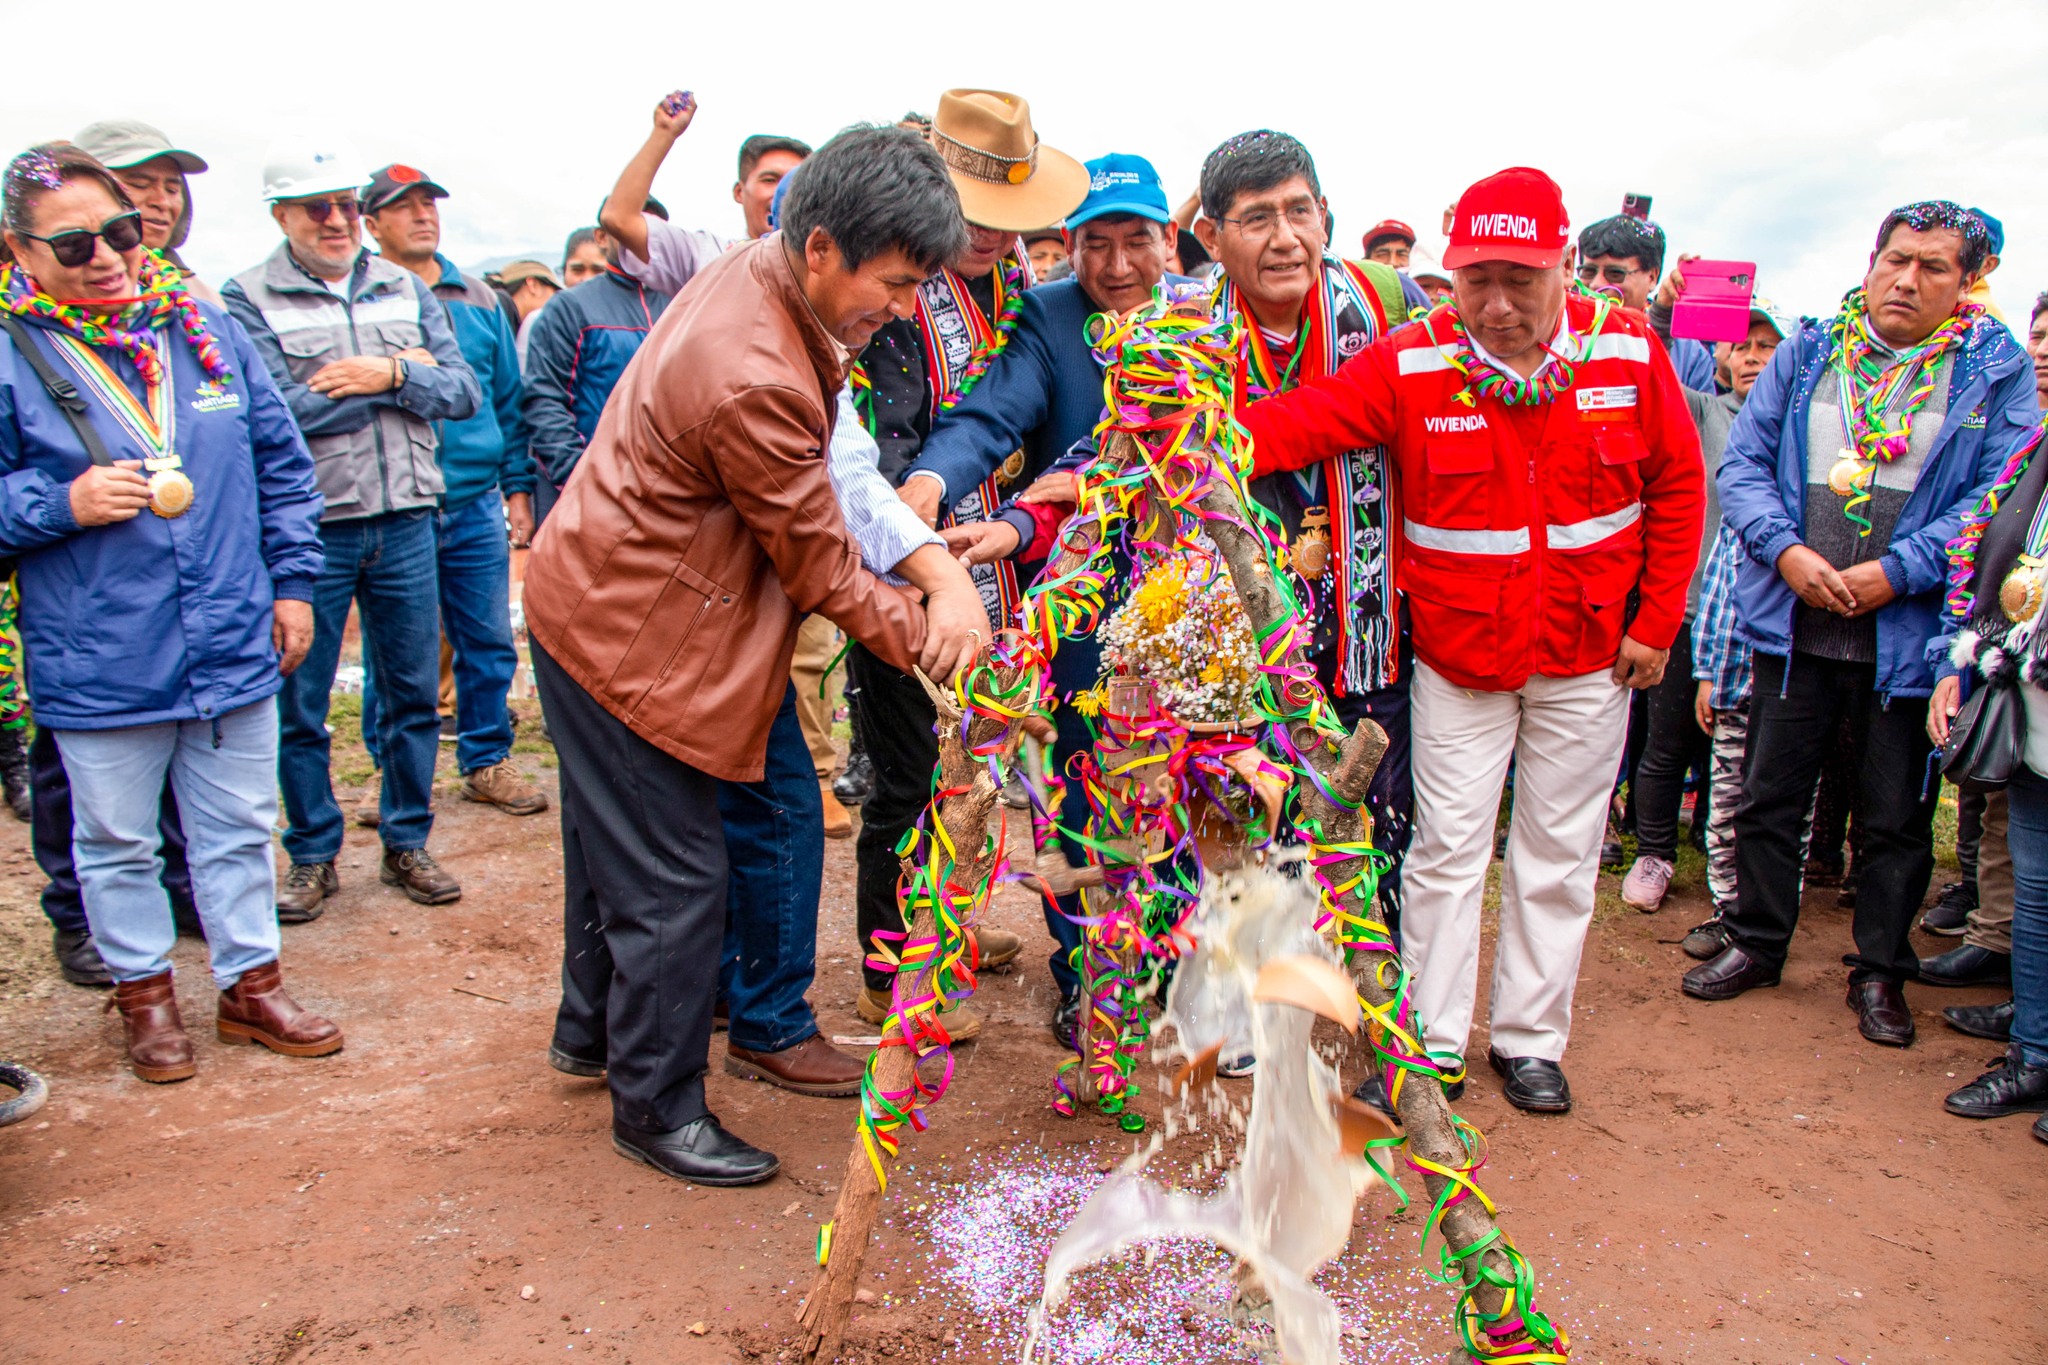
(881, 523)
(1717, 656)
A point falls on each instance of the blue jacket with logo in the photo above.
(582, 341)
(1762, 483)
(149, 620)
(488, 450)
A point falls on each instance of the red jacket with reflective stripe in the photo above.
(1517, 558)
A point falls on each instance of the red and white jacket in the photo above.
(1520, 532)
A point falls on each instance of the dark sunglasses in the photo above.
(1613, 274)
(320, 210)
(123, 232)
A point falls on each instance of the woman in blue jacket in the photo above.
(164, 591)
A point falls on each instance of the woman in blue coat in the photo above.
(164, 591)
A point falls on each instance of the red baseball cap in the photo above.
(1513, 215)
(1391, 227)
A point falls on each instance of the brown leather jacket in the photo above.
(669, 579)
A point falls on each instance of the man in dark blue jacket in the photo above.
(582, 342)
(1849, 470)
(480, 456)
(1045, 397)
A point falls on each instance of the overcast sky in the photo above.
(1778, 133)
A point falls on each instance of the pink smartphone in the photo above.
(1715, 304)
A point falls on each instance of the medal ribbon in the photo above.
(1962, 551)
(1872, 378)
(152, 424)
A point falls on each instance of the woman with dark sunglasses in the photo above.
(165, 563)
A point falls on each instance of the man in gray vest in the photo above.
(366, 357)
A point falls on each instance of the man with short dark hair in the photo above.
(664, 602)
(1623, 257)
(1853, 464)
(764, 160)
(489, 477)
(529, 285)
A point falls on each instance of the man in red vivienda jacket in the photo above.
(1549, 492)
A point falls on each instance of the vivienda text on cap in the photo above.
(1519, 226)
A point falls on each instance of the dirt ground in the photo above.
(1746, 1182)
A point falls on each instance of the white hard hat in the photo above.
(299, 166)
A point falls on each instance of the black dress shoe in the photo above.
(1373, 1091)
(856, 781)
(1982, 1021)
(700, 1152)
(1881, 1013)
(1950, 913)
(1532, 1083)
(78, 958)
(2009, 1087)
(1705, 941)
(1967, 965)
(1066, 1017)
(2041, 1128)
(1727, 975)
(569, 1064)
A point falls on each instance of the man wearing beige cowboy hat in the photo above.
(1010, 183)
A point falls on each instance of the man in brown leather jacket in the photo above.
(667, 585)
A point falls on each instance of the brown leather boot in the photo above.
(812, 1067)
(257, 1010)
(414, 871)
(838, 820)
(158, 1046)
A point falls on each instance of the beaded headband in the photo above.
(986, 167)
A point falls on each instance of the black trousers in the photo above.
(50, 834)
(644, 888)
(1793, 714)
(1673, 744)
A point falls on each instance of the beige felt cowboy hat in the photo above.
(1007, 178)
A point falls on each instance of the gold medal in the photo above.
(2019, 597)
(1012, 470)
(170, 494)
(1312, 547)
(1845, 479)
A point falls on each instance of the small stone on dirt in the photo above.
(528, 1292)
(696, 1329)
(863, 1296)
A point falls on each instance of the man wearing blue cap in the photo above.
(1042, 401)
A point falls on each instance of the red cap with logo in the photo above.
(1513, 215)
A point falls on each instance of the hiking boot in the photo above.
(256, 1010)
(305, 886)
(501, 785)
(369, 812)
(838, 820)
(158, 1047)
(961, 1023)
(1646, 883)
(994, 947)
(415, 871)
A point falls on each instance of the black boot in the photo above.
(14, 771)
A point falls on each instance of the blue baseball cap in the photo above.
(1994, 228)
(1119, 183)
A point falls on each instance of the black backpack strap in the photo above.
(62, 391)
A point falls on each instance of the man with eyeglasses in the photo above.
(365, 356)
(1623, 257)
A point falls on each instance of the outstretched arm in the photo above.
(621, 215)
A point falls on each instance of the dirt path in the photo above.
(1746, 1182)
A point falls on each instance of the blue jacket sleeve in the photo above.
(316, 413)
(515, 473)
(2010, 412)
(35, 510)
(971, 441)
(446, 391)
(550, 401)
(1751, 500)
(288, 500)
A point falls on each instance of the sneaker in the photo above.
(1949, 916)
(305, 887)
(369, 813)
(1647, 881)
(1611, 851)
(423, 880)
(1705, 941)
(449, 734)
(501, 785)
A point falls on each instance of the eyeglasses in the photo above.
(1613, 274)
(123, 232)
(1303, 218)
(320, 210)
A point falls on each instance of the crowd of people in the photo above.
(1546, 543)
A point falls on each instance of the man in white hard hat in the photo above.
(153, 171)
(367, 358)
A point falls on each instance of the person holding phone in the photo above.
(168, 542)
(1623, 258)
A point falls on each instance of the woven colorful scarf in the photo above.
(130, 329)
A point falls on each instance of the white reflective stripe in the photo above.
(1422, 360)
(1466, 542)
(1619, 346)
(284, 321)
(1593, 530)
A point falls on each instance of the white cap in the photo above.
(299, 166)
(1423, 261)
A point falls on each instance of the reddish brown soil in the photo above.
(1746, 1182)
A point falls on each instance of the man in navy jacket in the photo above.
(1847, 473)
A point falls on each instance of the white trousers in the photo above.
(1566, 737)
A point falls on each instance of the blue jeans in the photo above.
(225, 775)
(2026, 837)
(387, 565)
(775, 850)
(476, 587)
